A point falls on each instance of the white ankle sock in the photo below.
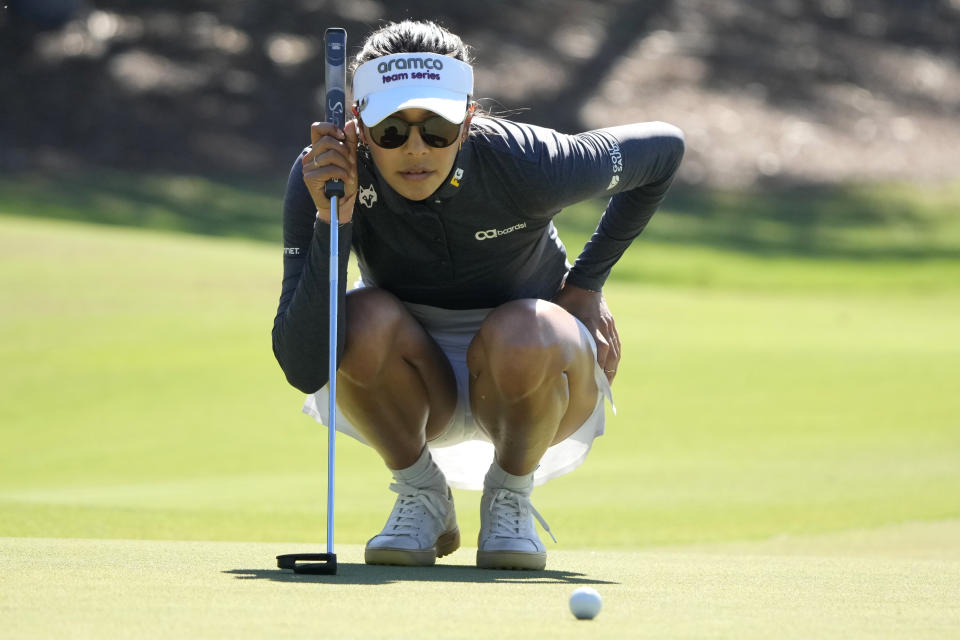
(422, 474)
(497, 478)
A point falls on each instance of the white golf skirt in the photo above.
(463, 451)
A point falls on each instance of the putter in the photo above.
(335, 47)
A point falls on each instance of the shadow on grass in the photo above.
(867, 222)
(240, 207)
(365, 574)
(854, 222)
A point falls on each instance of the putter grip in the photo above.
(335, 78)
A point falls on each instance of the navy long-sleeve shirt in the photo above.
(485, 237)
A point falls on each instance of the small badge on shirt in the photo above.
(368, 196)
(457, 176)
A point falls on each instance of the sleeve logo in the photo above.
(616, 160)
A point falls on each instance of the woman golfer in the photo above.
(473, 355)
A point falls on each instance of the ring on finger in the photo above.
(315, 164)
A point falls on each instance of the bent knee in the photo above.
(528, 325)
(370, 306)
(375, 318)
(520, 345)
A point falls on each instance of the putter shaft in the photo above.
(332, 377)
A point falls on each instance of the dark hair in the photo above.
(411, 36)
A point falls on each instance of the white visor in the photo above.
(412, 81)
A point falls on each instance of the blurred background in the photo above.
(786, 91)
(789, 316)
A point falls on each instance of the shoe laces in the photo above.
(411, 506)
(512, 510)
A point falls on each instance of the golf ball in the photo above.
(585, 603)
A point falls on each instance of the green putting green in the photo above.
(893, 582)
(785, 461)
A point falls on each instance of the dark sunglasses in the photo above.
(392, 132)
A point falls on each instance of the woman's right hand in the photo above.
(332, 155)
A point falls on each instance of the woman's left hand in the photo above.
(591, 309)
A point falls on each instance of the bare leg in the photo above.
(394, 383)
(531, 380)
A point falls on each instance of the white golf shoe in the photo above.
(508, 538)
(421, 528)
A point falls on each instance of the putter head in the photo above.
(313, 563)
